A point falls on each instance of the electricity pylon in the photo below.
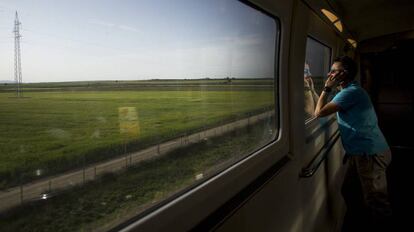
(17, 57)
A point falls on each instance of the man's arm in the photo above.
(324, 109)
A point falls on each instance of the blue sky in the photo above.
(136, 39)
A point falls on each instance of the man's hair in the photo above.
(349, 65)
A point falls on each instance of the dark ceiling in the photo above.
(367, 19)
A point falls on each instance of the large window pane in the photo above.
(317, 64)
(124, 104)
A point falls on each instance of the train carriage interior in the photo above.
(192, 115)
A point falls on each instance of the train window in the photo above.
(123, 105)
(317, 63)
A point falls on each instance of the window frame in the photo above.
(200, 200)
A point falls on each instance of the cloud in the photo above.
(113, 25)
(127, 28)
(101, 23)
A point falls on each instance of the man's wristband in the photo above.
(327, 89)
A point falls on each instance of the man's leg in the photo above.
(372, 174)
(356, 213)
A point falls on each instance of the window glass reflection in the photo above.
(316, 67)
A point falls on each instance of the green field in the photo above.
(114, 198)
(162, 84)
(60, 126)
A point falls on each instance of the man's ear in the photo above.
(345, 74)
(342, 76)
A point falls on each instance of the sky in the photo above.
(83, 40)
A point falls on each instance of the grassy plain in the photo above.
(100, 205)
(60, 126)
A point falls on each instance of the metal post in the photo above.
(17, 57)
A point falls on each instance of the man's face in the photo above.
(337, 72)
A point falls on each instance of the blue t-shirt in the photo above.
(358, 122)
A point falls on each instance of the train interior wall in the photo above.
(289, 202)
(388, 76)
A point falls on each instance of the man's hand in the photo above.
(334, 79)
(322, 107)
(331, 81)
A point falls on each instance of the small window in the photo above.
(125, 104)
(316, 67)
